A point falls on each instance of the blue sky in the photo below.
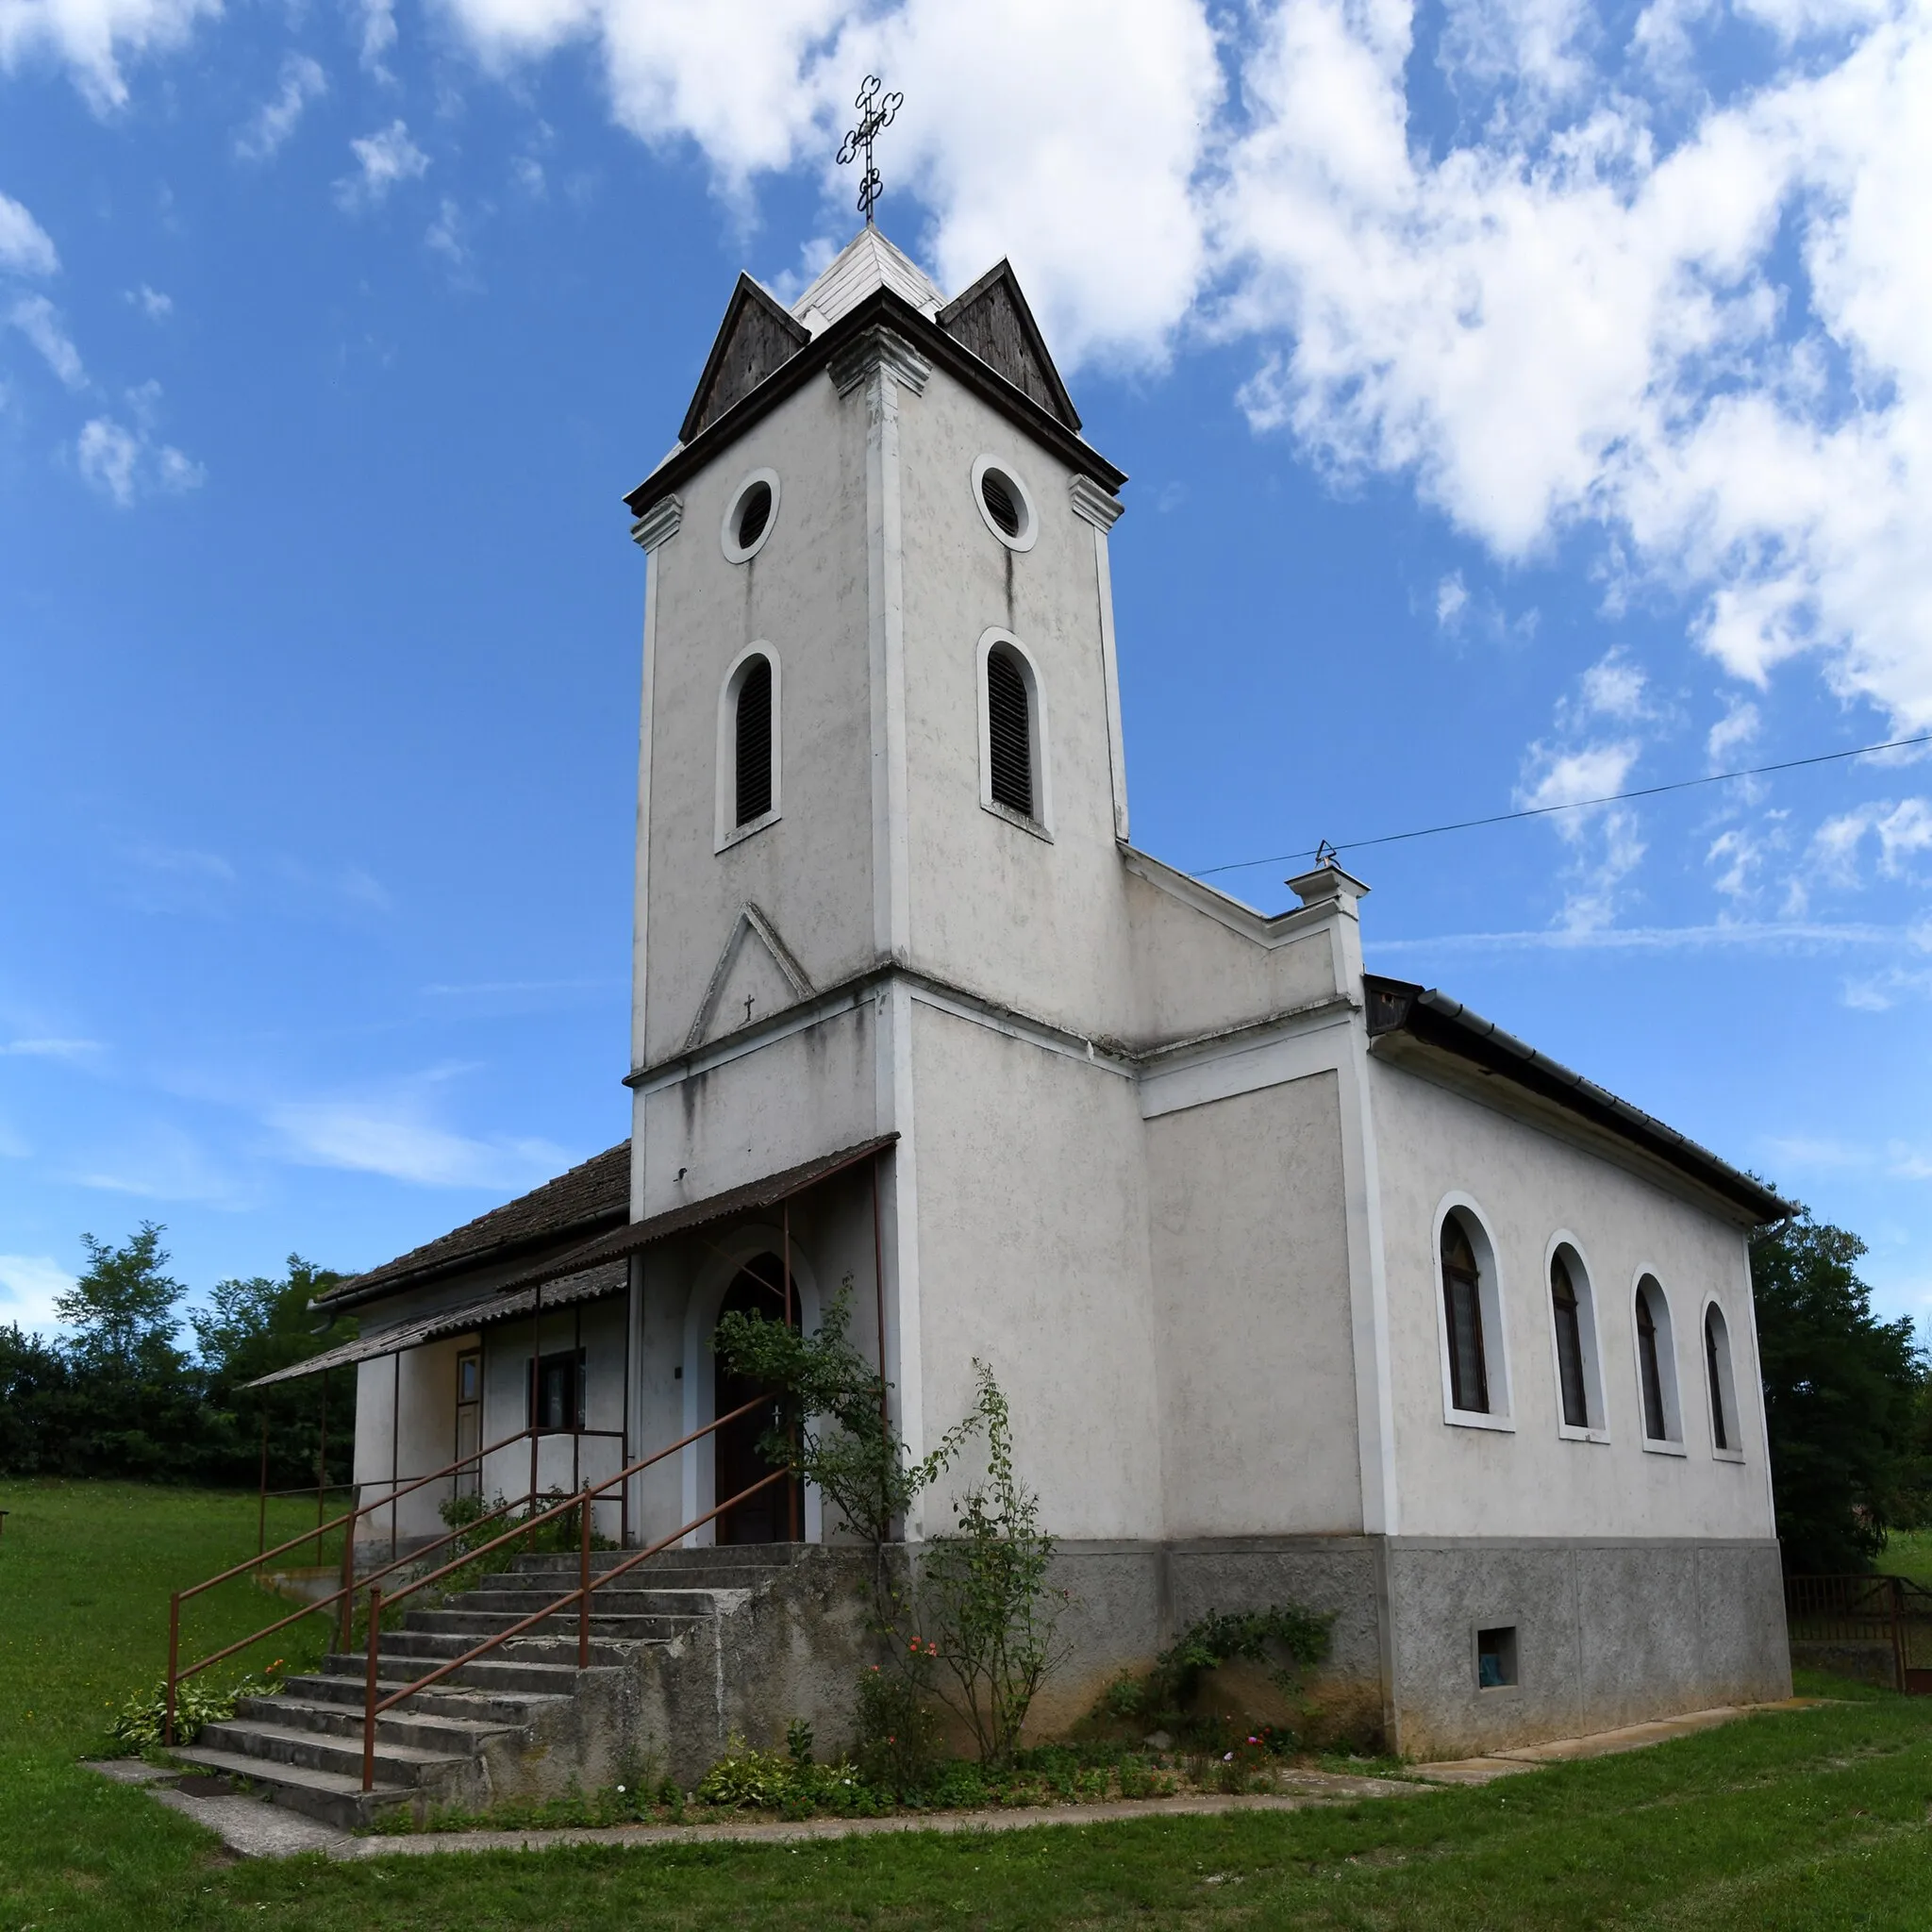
(1523, 401)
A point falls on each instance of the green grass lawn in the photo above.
(1908, 1552)
(1814, 1820)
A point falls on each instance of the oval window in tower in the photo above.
(1005, 503)
(749, 516)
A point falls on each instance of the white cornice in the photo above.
(659, 524)
(878, 348)
(1229, 913)
(1093, 504)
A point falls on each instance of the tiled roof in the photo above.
(581, 1202)
(868, 261)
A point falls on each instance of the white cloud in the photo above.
(26, 247)
(394, 1139)
(152, 303)
(1603, 840)
(91, 37)
(161, 1162)
(1732, 732)
(378, 35)
(29, 1285)
(1586, 322)
(52, 1049)
(124, 464)
(1452, 600)
(109, 455)
(444, 236)
(39, 320)
(303, 80)
(1614, 688)
(384, 158)
(1066, 135)
(1901, 831)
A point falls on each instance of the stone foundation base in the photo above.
(1600, 1634)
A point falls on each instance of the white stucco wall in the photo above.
(803, 594)
(745, 1115)
(1250, 1263)
(1057, 947)
(1032, 1255)
(1526, 1184)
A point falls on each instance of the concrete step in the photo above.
(406, 1725)
(446, 1699)
(513, 1601)
(727, 1561)
(334, 1799)
(477, 1624)
(405, 1766)
(429, 1648)
(496, 1674)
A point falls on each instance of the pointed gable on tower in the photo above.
(992, 320)
(756, 336)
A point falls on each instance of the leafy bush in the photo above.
(142, 1720)
(787, 1781)
(898, 1746)
(1248, 1635)
(993, 1616)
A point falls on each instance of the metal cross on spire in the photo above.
(873, 115)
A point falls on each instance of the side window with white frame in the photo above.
(1726, 1439)
(748, 739)
(1469, 1307)
(1015, 782)
(1656, 1368)
(1573, 1333)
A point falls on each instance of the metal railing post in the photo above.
(584, 1581)
(262, 1511)
(173, 1661)
(348, 1584)
(368, 1683)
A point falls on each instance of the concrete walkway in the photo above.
(252, 1830)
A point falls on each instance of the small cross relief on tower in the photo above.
(755, 977)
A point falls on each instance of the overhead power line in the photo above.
(1539, 811)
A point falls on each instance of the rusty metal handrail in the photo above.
(583, 1499)
(177, 1677)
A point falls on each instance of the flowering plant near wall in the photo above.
(974, 1624)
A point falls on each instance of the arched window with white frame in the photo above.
(1475, 1371)
(1015, 781)
(748, 746)
(1656, 1367)
(1727, 1438)
(1574, 1338)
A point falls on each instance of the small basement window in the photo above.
(1495, 1657)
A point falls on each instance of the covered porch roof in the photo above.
(589, 1272)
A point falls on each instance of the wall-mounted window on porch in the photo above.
(556, 1391)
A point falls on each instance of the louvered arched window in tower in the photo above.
(754, 748)
(748, 721)
(1012, 733)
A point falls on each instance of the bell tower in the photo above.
(881, 719)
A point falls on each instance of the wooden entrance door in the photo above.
(773, 1515)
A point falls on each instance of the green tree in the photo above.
(1841, 1397)
(133, 1402)
(831, 1427)
(35, 1393)
(252, 1326)
(121, 1309)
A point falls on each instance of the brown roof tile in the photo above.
(580, 1204)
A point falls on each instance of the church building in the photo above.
(1305, 1284)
